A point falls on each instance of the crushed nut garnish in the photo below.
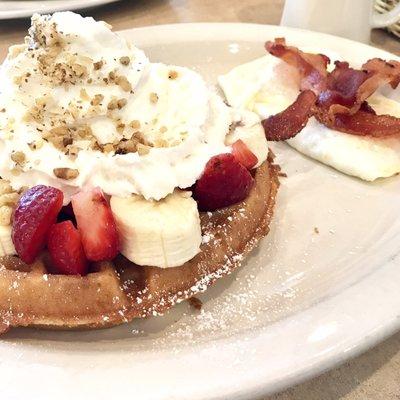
(36, 145)
(66, 173)
(161, 143)
(97, 99)
(125, 60)
(121, 103)
(67, 141)
(123, 82)
(97, 65)
(135, 124)
(126, 146)
(153, 97)
(84, 95)
(18, 157)
(114, 104)
(172, 75)
(142, 149)
(120, 127)
(108, 148)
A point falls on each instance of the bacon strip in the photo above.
(291, 121)
(348, 88)
(389, 69)
(342, 95)
(362, 123)
(311, 67)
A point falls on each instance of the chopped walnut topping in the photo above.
(36, 145)
(94, 145)
(72, 151)
(67, 141)
(18, 157)
(15, 172)
(120, 127)
(108, 148)
(111, 76)
(84, 132)
(172, 75)
(66, 173)
(142, 149)
(114, 104)
(59, 131)
(135, 124)
(79, 70)
(123, 82)
(126, 146)
(84, 95)
(161, 143)
(98, 65)
(97, 99)
(121, 103)
(125, 60)
(153, 98)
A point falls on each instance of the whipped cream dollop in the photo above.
(80, 106)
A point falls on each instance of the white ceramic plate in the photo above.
(21, 9)
(302, 303)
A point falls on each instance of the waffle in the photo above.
(119, 291)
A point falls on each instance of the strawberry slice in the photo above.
(96, 225)
(243, 154)
(225, 181)
(36, 212)
(66, 250)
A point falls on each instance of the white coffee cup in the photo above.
(347, 18)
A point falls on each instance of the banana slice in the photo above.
(6, 244)
(163, 233)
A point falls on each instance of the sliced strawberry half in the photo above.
(225, 181)
(244, 155)
(36, 212)
(66, 250)
(96, 225)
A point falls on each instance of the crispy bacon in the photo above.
(362, 123)
(291, 121)
(343, 84)
(341, 95)
(348, 88)
(389, 69)
(311, 67)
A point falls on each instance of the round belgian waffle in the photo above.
(119, 291)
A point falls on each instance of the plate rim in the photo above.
(27, 8)
(256, 383)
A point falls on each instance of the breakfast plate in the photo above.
(322, 287)
(22, 9)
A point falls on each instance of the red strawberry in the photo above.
(243, 154)
(96, 224)
(36, 212)
(225, 181)
(66, 250)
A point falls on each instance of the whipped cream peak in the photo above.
(80, 107)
